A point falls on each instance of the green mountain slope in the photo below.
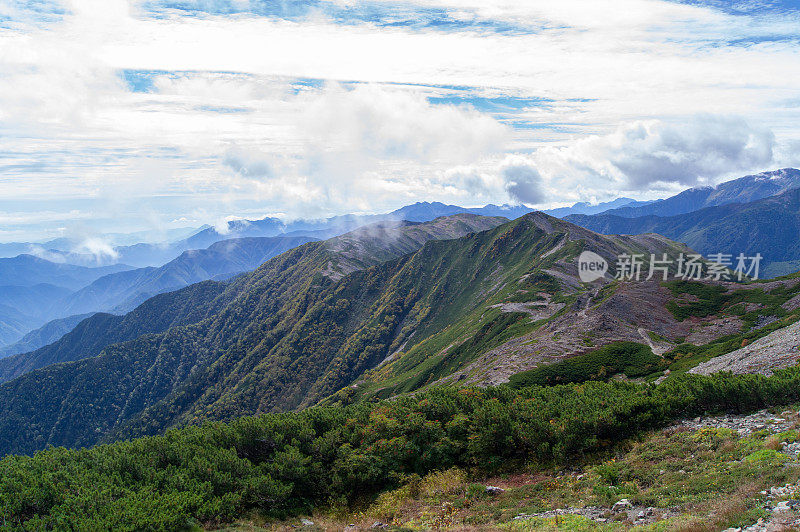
(309, 326)
(76, 403)
(373, 244)
(90, 336)
(331, 333)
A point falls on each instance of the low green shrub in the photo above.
(631, 358)
(282, 464)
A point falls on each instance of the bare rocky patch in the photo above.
(779, 349)
(705, 331)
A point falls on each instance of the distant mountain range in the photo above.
(75, 251)
(742, 190)
(24, 307)
(769, 226)
(155, 254)
(44, 335)
(28, 270)
(588, 208)
(30, 286)
(150, 254)
(122, 292)
(28, 307)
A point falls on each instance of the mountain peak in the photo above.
(782, 173)
(741, 190)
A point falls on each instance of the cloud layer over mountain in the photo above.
(151, 114)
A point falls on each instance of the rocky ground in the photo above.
(622, 511)
(779, 349)
(780, 503)
(708, 331)
(634, 312)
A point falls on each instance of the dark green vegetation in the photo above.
(704, 479)
(769, 226)
(707, 299)
(628, 358)
(279, 464)
(282, 337)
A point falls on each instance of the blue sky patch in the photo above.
(30, 12)
(381, 14)
(749, 7)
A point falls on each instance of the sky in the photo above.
(132, 115)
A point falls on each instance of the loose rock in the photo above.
(494, 490)
(621, 506)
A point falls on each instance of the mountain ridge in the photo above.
(121, 292)
(408, 235)
(742, 190)
(287, 335)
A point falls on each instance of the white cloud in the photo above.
(522, 180)
(248, 163)
(225, 131)
(358, 147)
(637, 158)
(642, 155)
(396, 124)
(371, 144)
(223, 226)
(98, 247)
(475, 181)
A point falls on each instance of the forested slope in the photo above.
(77, 403)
